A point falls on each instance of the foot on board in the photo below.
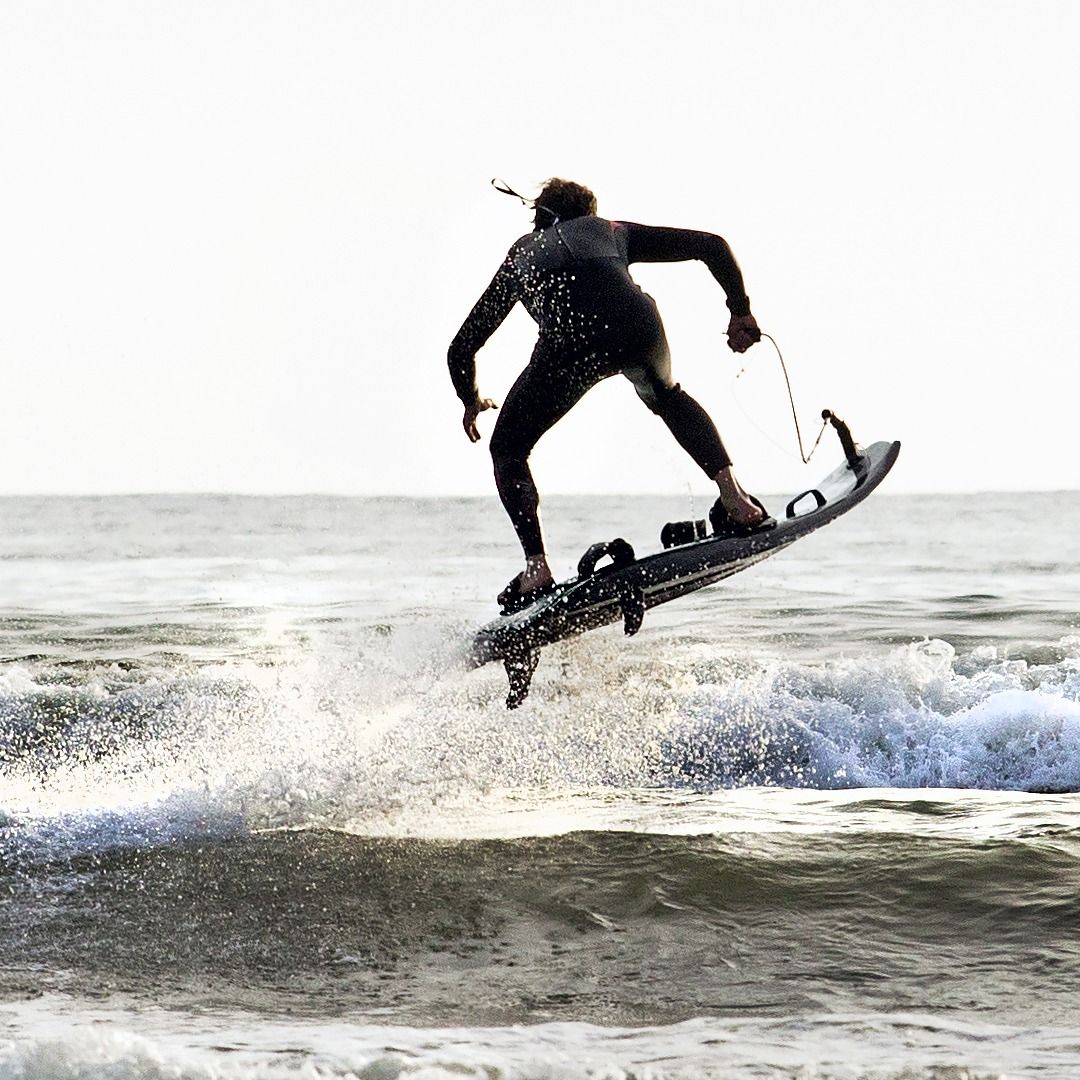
(723, 526)
(512, 599)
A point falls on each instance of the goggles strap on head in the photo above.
(504, 188)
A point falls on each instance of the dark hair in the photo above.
(561, 200)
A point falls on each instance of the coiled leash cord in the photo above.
(826, 414)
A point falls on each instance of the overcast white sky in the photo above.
(237, 237)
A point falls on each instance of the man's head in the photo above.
(561, 200)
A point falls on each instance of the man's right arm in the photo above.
(648, 243)
(485, 318)
(651, 243)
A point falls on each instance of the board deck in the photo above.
(625, 588)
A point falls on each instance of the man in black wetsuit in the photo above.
(571, 274)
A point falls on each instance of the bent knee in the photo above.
(659, 397)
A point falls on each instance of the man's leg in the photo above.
(538, 399)
(695, 432)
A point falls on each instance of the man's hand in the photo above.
(472, 412)
(742, 332)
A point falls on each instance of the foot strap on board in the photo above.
(818, 498)
(620, 552)
(631, 598)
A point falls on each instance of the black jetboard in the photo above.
(625, 588)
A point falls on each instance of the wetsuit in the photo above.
(594, 322)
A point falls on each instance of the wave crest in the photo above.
(920, 717)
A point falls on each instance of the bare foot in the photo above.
(735, 501)
(742, 511)
(536, 573)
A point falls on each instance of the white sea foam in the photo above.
(914, 718)
(325, 740)
(856, 1047)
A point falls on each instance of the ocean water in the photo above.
(258, 820)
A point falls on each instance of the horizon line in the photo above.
(322, 494)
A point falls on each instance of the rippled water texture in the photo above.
(257, 818)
